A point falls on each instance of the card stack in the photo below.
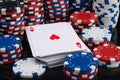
(49, 44)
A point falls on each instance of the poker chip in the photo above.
(104, 35)
(10, 49)
(82, 75)
(11, 18)
(34, 12)
(9, 43)
(90, 62)
(82, 20)
(77, 5)
(75, 78)
(80, 71)
(56, 9)
(10, 6)
(20, 68)
(109, 64)
(108, 12)
(107, 53)
(84, 17)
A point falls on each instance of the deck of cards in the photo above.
(50, 43)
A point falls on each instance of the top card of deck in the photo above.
(53, 39)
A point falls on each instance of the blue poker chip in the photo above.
(9, 43)
(28, 68)
(61, 6)
(80, 62)
(57, 2)
(11, 23)
(80, 1)
(12, 53)
(35, 19)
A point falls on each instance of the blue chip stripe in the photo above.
(9, 23)
(19, 74)
(35, 74)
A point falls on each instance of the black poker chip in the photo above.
(10, 6)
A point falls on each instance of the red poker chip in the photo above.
(48, 18)
(17, 19)
(70, 77)
(33, 5)
(32, 9)
(55, 16)
(53, 8)
(12, 18)
(56, 8)
(79, 26)
(35, 10)
(10, 13)
(10, 62)
(31, 0)
(15, 33)
(84, 17)
(61, 4)
(38, 20)
(12, 30)
(18, 55)
(32, 23)
(13, 56)
(65, 68)
(35, 16)
(56, 12)
(54, 21)
(92, 25)
(32, 12)
(107, 53)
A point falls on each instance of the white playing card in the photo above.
(53, 39)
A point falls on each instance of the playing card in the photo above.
(53, 39)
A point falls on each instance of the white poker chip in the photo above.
(96, 34)
(28, 68)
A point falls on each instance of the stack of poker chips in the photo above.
(11, 18)
(109, 58)
(96, 36)
(108, 12)
(80, 66)
(34, 12)
(56, 11)
(83, 19)
(10, 49)
(80, 5)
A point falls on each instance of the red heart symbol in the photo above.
(78, 44)
(53, 37)
(31, 29)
